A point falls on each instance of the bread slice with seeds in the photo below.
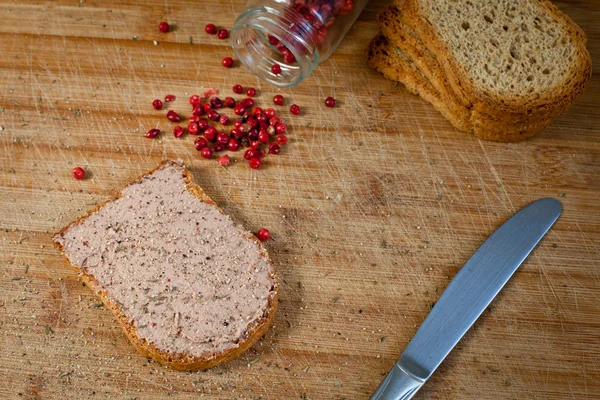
(190, 288)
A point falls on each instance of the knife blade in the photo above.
(467, 296)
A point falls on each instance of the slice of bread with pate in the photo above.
(190, 288)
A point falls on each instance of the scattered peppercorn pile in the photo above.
(254, 128)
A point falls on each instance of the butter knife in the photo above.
(467, 296)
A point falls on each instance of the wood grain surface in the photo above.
(373, 206)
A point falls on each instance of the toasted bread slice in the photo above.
(401, 34)
(489, 124)
(190, 289)
(510, 55)
(395, 64)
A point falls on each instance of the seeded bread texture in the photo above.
(190, 289)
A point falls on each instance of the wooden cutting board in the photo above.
(373, 206)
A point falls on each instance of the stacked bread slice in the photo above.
(502, 70)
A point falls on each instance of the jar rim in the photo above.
(250, 43)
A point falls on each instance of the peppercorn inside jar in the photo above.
(284, 41)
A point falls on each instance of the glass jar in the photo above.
(294, 34)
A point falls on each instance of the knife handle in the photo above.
(398, 385)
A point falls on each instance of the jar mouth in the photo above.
(250, 41)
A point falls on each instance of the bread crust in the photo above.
(179, 361)
(489, 123)
(383, 57)
(551, 103)
(380, 58)
(401, 34)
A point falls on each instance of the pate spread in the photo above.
(188, 278)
